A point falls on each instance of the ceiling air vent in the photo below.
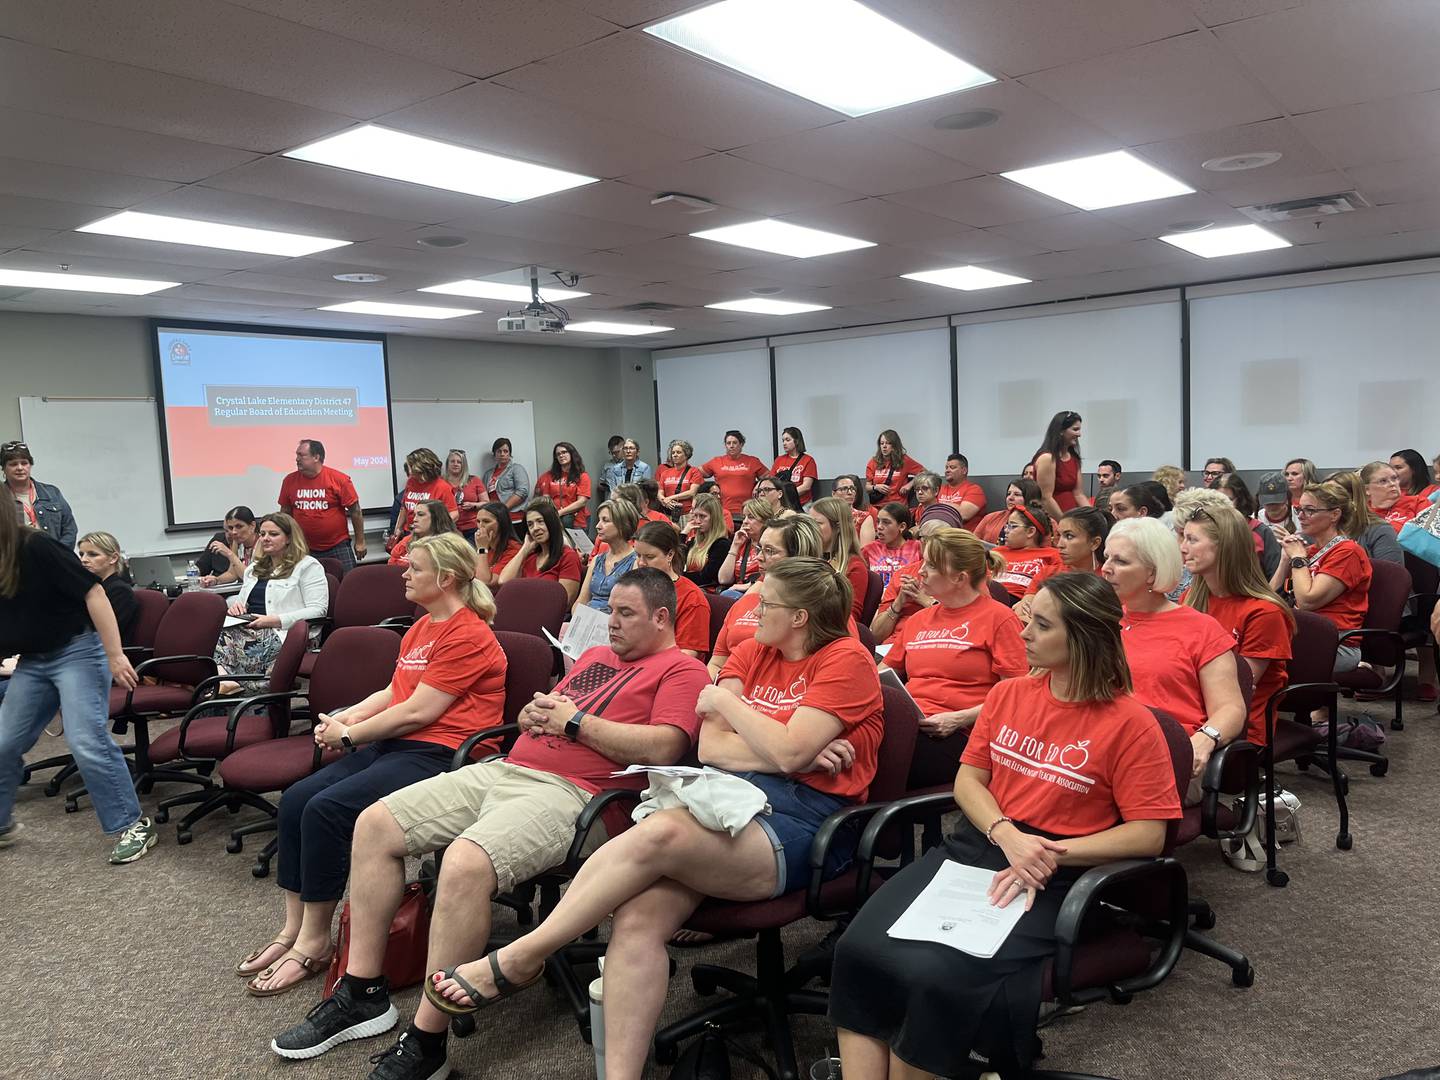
(649, 307)
(1317, 206)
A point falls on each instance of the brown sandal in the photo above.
(310, 966)
(240, 968)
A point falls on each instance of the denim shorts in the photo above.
(796, 813)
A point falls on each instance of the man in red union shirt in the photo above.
(630, 702)
(321, 499)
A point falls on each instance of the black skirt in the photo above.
(940, 1009)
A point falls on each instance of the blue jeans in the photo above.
(76, 680)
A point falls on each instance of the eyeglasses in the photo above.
(1213, 474)
(765, 605)
(1306, 511)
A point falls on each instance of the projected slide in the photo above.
(236, 403)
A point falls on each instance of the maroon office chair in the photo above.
(874, 590)
(354, 662)
(528, 604)
(867, 638)
(334, 567)
(1425, 592)
(999, 592)
(719, 608)
(368, 595)
(1381, 644)
(203, 738)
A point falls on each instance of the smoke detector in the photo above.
(1310, 209)
(442, 241)
(1255, 159)
(361, 279)
(967, 121)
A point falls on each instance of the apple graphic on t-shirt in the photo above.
(1075, 755)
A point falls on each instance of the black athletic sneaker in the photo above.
(335, 1020)
(407, 1060)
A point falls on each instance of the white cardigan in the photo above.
(303, 595)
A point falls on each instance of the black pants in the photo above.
(318, 814)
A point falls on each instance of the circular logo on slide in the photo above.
(180, 353)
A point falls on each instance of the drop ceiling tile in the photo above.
(1389, 130)
(12, 237)
(1261, 189)
(122, 248)
(857, 156)
(1068, 231)
(1159, 216)
(1181, 158)
(534, 223)
(744, 185)
(705, 254)
(1022, 36)
(1032, 129)
(1334, 52)
(478, 39)
(1131, 255)
(982, 202)
(1044, 267)
(1398, 181)
(1219, 12)
(877, 220)
(498, 252)
(643, 267)
(634, 77)
(258, 298)
(1425, 242)
(975, 246)
(68, 184)
(1373, 221)
(47, 213)
(631, 291)
(37, 257)
(82, 88)
(220, 43)
(239, 208)
(614, 201)
(1160, 91)
(631, 12)
(864, 293)
(271, 280)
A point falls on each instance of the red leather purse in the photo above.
(404, 952)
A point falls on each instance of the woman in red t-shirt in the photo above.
(679, 480)
(543, 553)
(469, 491)
(796, 466)
(449, 683)
(798, 714)
(1028, 556)
(1181, 660)
(423, 482)
(1226, 583)
(495, 543)
(567, 485)
(783, 538)
(1387, 498)
(1414, 474)
(892, 547)
(1080, 540)
(1064, 769)
(1021, 492)
(430, 519)
(954, 651)
(847, 489)
(735, 473)
(890, 474)
(1057, 466)
(842, 548)
(742, 568)
(658, 546)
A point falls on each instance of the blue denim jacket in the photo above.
(54, 513)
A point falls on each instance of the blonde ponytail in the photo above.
(452, 555)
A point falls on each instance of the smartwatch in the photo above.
(1299, 562)
(572, 726)
(1208, 730)
(482, 551)
(347, 744)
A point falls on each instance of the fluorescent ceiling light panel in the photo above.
(1235, 240)
(401, 311)
(835, 52)
(209, 234)
(1093, 183)
(968, 278)
(761, 306)
(782, 238)
(398, 156)
(116, 286)
(616, 329)
(499, 290)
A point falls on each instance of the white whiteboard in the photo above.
(841, 394)
(471, 426)
(700, 397)
(1119, 368)
(1342, 374)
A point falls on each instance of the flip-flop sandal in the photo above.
(697, 939)
(240, 968)
(310, 966)
(504, 987)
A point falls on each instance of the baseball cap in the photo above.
(1272, 489)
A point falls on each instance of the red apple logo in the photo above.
(1075, 756)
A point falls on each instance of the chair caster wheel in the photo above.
(71, 806)
(462, 1027)
(666, 1054)
(1121, 997)
(1277, 878)
(705, 986)
(145, 787)
(1243, 976)
(1204, 921)
(1397, 725)
(1380, 768)
(183, 837)
(1344, 841)
(260, 870)
(161, 816)
(52, 789)
(234, 847)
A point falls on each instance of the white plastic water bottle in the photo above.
(192, 576)
(597, 1024)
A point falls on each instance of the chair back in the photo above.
(334, 567)
(1425, 583)
(1389, 592)
(332, 585)
(1245, 677)
(153, 606)
(874, 590)
(528, 662)
(1312, 660)
(893, 761)
(370, 594)
(867, 638)
(285, 673)
(719, 607)
(999, 592)
(527, 604)
(354, 663)
(190, 627)
(1182, 760)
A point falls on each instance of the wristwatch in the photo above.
(482, 551)
(572, 727)
(1214, 734)
(1299, 562)
(347, 744)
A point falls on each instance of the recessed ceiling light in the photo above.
(442, 241)
(210, 234)
(1093, 183)
(360, 279)
(968, 278)
(967, 121)
(835, 52)
(758, 306)
(783, 238)
(767, 290)
(403, 311)
(1257, 159)
(616, 329)
(118, 286)
(499, 290)
(1235, 240)
(398, 156)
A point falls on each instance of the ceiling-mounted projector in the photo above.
(525, 323)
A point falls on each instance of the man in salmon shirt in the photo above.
(321, 499)
(632, 701)
(959, 491)
(736, 473)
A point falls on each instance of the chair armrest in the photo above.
(320, 626)
(1096, 887)
(197, 710)
(590, 816)
(1232, 769)
(119, 726)
(886, 814)
(161, 661)
(1399, 645)
(820, 848)
(398, 623)
(138, 653)
(244, 705)
(215, 680)
(461, 757)
(1272, 706)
